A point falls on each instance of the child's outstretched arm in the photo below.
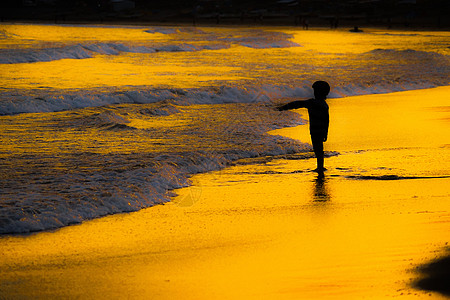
(293, 105)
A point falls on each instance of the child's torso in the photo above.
(318, 114)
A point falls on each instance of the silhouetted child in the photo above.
(318, 118)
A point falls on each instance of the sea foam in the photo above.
(83, 51)
(95, 184)
(12, 103)
(209, 41)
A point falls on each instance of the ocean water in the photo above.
(98, 120)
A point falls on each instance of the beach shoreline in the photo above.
(250, 24)
(271, 230)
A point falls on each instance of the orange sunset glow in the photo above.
(162, 161)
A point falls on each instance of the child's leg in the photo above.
(317, 141)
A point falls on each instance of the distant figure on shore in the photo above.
(334, 22)
(305, 23)
(355, 29)
(319, 119)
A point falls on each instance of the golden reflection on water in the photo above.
(106, 71)
(264, 231)
(31, 34)
(343, 41)
(320, 192)
(245, 239)
(320, 51)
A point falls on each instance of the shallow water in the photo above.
(107, 119)
(63, 168)
(76, 66)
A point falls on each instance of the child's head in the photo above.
(321, 89)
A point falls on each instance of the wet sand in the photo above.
(272, 230)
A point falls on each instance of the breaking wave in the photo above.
(82, 51)
(11, 103)
(258, 39)
(41, 191)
